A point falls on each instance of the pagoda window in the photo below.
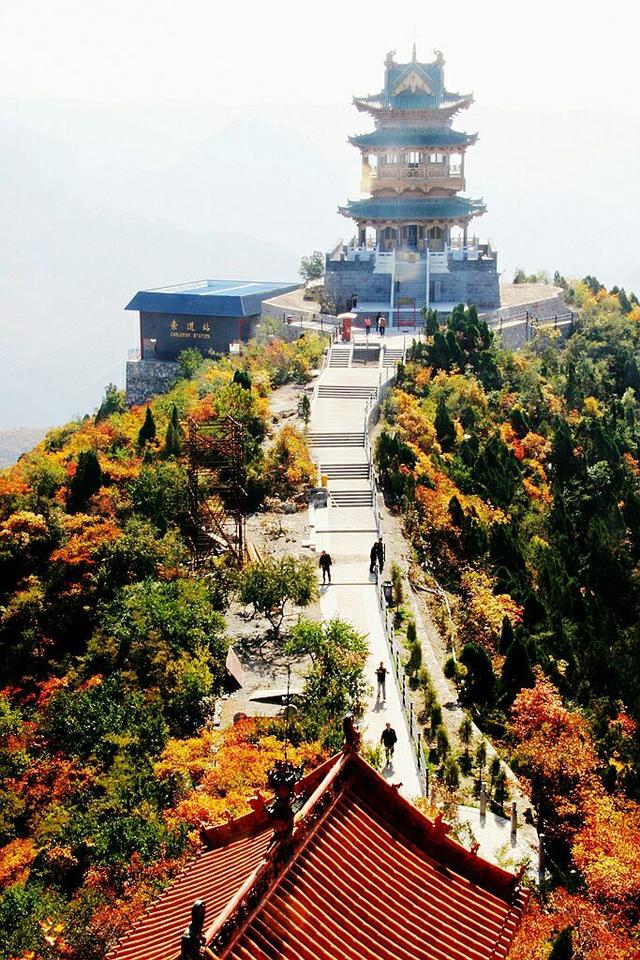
(390, 157)
(372, 159)
(455, 165)
(435, 233)
(436, 158)
(412, 158)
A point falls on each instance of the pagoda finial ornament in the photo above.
(414, 55)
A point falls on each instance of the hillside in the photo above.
(113, 648)
(516, 477)
(518, 484)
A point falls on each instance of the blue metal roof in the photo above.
(210, 298)
(422, 208)
(400, 136)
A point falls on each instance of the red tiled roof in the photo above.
(364, 876)
(361, 891)
(216, 874)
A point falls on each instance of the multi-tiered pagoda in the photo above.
(413, 170)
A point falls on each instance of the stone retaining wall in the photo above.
(148, 377)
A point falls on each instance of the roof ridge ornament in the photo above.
(439, 57)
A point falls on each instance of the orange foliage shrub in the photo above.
(595, 935)
(16, 858)
(556, 745)
(482, 610)
(288, 465)
(605, 849)
(230, 766)
(86, 535)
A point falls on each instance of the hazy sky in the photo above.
(548, 54)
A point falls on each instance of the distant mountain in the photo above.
(13, 443)
(99, 200)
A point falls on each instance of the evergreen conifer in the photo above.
(445, 429)
(86, 481)
(147, 431)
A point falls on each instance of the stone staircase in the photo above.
(345, 471)
(351, 498)
(340, 356)
(336, 439)
(412, 277)
(392, 356)
(346, 391)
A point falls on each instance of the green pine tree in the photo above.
(444, 425)
(517, 672)
(506, 635)
(563, 946)
(305, 408)
(172, 445)
(86, 481)
(439, 356)
(562, 456)
(243, 378)
(147, 431)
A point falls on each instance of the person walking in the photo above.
(378, 316)
(388, 739)
(373, 557)
(367, 327)
(381, 326)
(324, 563)
(380, 553)
(381, 677)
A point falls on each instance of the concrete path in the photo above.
(347, 533)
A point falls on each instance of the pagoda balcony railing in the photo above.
(460, 250)
(422, 171)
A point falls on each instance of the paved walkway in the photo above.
(348, 533)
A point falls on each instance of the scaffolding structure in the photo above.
(217, 489)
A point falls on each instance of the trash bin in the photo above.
(387, 589)
(346, 321)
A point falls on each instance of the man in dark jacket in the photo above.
(380, 553)
(388, 739)
(325, 565)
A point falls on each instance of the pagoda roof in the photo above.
(399, 136)
(413, 101)
(414, 86)
(363, 876)
(415, 208)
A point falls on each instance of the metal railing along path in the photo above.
(400, 678)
